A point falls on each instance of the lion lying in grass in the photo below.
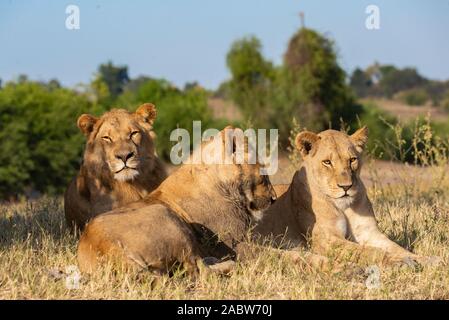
(327, 203)
(119, 166)
(200, 210)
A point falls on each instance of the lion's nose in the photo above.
(345, 187)
(124, 156)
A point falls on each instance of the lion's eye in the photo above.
(133, 134)
(327, 162)
(106, 138)
(353, 159)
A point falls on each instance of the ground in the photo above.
(406, 113)
(38, 253)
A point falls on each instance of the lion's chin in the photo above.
(344, 202)
(257, 215)
(126, 175)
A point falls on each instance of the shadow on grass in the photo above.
(32, 222)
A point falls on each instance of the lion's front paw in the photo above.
(221, 267)
(406, 262)
(417, 261)
(431, 261)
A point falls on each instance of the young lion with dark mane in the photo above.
(120, 165)
(201, 210)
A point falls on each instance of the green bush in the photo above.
(391, 140)
(445, 101)
(40, 142)
(379, 131)
(413, 97)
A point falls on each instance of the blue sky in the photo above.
(187, 40)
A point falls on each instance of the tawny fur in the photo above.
(200, 210)
(315, 209)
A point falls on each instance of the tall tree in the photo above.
(252, 76)
(115, 77)
(312, 71)
(360, 82)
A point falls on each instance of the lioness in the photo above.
(119, 165)
(327, 202)
(200, 210)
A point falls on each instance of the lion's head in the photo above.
(228, 163)
(119, 143)
(333, 162)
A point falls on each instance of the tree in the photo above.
(316, 82)
(40, 142)
(360, 82)
(309, 86)
(252, 77)
(134, 84)
(115, 77)
(395, 80)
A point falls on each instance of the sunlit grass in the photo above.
(37, 252)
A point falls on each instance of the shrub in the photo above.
(41, 145)
(413, 97)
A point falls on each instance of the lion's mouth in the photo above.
(125, 168)
(344, 196)
(126, 174)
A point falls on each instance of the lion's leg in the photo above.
(342, 249)
(364, 230)
(220, 267)
(247, 251)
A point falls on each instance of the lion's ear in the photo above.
(86, 123)
(360, 138)
(148, 112)
(229, 139)
(305, 141)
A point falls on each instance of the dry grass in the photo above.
(406, 113)
(36, 249)
(411, 203)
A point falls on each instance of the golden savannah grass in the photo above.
(35, 247)
(411, 204)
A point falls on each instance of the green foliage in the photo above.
(251, 79)
(313, 70)
(360, 82)
(392, 140)
(406, 85)
(445, 101)
(41, 145)
(115, 78)
(413, 97)
(397, 80)
(310, 85)
(378, 123)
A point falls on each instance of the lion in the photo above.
(327, 205)
(119, 166)
(201, 210)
